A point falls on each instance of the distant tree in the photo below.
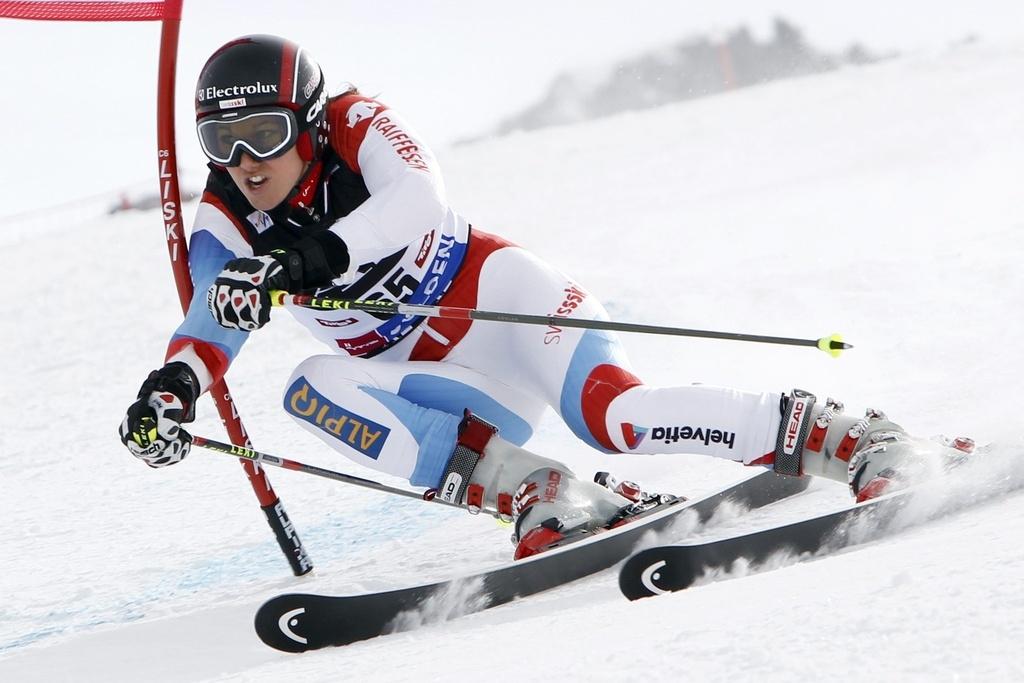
(694, 67)
(857, 54)
(788, 36)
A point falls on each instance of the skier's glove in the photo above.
(240, 296)
(151, 428)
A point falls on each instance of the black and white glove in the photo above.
(240, 296)
(151, 429)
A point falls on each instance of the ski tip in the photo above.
(283, 623)
(833, 345)
(658, 570)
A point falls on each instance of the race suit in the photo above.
(391, 392)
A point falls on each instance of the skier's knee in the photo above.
(604, 384)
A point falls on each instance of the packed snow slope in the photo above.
(881, 202)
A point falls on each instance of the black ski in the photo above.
(296, 622)
(668, 568)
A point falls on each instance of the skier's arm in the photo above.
(407, 195)
(206, 347)
(199, 352)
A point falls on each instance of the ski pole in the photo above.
(267, 459)
(832, 345)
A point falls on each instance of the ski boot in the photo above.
(541, 496)
(872, 455)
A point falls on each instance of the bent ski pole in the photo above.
(832, 345)
(267, 459)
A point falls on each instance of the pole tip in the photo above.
(833, 345)
(277, 297)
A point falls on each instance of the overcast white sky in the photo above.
(78, 100)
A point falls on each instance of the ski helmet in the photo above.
(260, 94)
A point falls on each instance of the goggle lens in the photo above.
(263, 134)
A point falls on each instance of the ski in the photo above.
(296, 622)
(668, 568)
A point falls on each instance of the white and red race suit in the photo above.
(390, 393)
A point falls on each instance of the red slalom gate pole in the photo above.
(168, 12)
(177, 248)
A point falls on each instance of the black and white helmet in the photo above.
(260, 94)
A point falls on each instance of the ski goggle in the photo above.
(263, 133)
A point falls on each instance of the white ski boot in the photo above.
(542, 496)
(872, 455)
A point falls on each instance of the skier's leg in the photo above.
(793, 433)
(401, 418)
(407, 420)
(576, 372)
(586, 377)
(870, 454)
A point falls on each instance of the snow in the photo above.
(881, 202)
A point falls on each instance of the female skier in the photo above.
(339, 196)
